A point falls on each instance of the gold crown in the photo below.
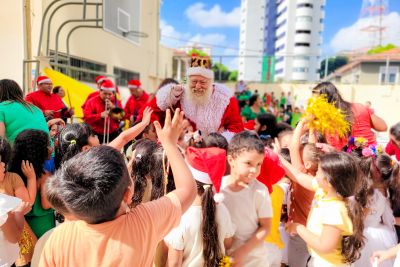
(199, 61)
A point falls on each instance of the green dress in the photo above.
(39, 219)
(17, 117)
(249, 114)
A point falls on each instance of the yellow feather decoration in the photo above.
(325, 117)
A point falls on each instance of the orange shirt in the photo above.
(129, 240)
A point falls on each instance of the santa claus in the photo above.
(209, 107)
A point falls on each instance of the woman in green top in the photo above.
(254, 108)
(16, 114)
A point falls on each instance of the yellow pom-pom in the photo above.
(326, 117)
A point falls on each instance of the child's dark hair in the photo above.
(146, 130)
(285, 153)
(395, 131)
(32, 145)
(147, 164)
(269, 121)
(5, 151)
(72, 138)
(253, 99)
(342, 173)
(390, 175)
(311, 153)
(92, 184)
(209, 228)
(56, 89)
(216, 140)
(245, 141)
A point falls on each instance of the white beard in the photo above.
(191, 97)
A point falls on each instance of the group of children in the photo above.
(272, 196)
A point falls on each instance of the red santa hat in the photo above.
(200, 66)
(208, 166)
(134, 84)
(43, 79)
(107, 85)
(100, 79)
(271, 169)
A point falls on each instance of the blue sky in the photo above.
(217, 22)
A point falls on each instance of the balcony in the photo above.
(302, 38)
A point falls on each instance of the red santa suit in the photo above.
(220, 112)
(134, 105)
(92, 115)
(45, 101)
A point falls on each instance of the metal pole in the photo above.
(326, 67)
(386, 81)
(84, 9)
(69, 36)
(62, 26)
(219, 69)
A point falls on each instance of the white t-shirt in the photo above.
(9, 252)
(187, 236)
(246, 207)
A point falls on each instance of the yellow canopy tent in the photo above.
(75, 92)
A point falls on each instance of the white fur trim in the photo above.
(101, 80)
(208, 73)
(208, 117)
(164, 97)
(45, 81)
(200, 176)
(219, 197)
(112, 89)
(133, 87)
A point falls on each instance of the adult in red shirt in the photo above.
(96, 115)
(208, 106)
(51, 105)
(136, 101)
(362, 118)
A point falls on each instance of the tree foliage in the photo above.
(333, 64)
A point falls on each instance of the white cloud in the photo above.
(352, 37)
(210, 38)
(214, 17)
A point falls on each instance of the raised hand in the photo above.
(172, 128)
(147, 115)
(28, 170)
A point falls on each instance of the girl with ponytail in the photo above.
(334, 231)
(205, 231)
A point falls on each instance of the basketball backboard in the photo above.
(122, 18)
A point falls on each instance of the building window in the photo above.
(279, 71)
(81, 69)
(279, 59)
(279, 48)
(321, 20)
(300, 69)
(305, 5)
(281, 12)
(122, 76)
(302, 58)
(392, 75)
(302, 44)
(280, 36)
(303, 31)
(304, 19)
(283, 22)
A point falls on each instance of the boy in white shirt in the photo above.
(247, 200)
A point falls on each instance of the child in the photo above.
(12, 212)
(304, 158)
(206, 230)
(247, 200)
(334, 231)
(96, 189)
(78, 137)
(393, 147)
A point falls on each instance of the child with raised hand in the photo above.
(305, 158)
(334, 231)
(206, 229)
(95, 188)
(247, 200)
(78, 137)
